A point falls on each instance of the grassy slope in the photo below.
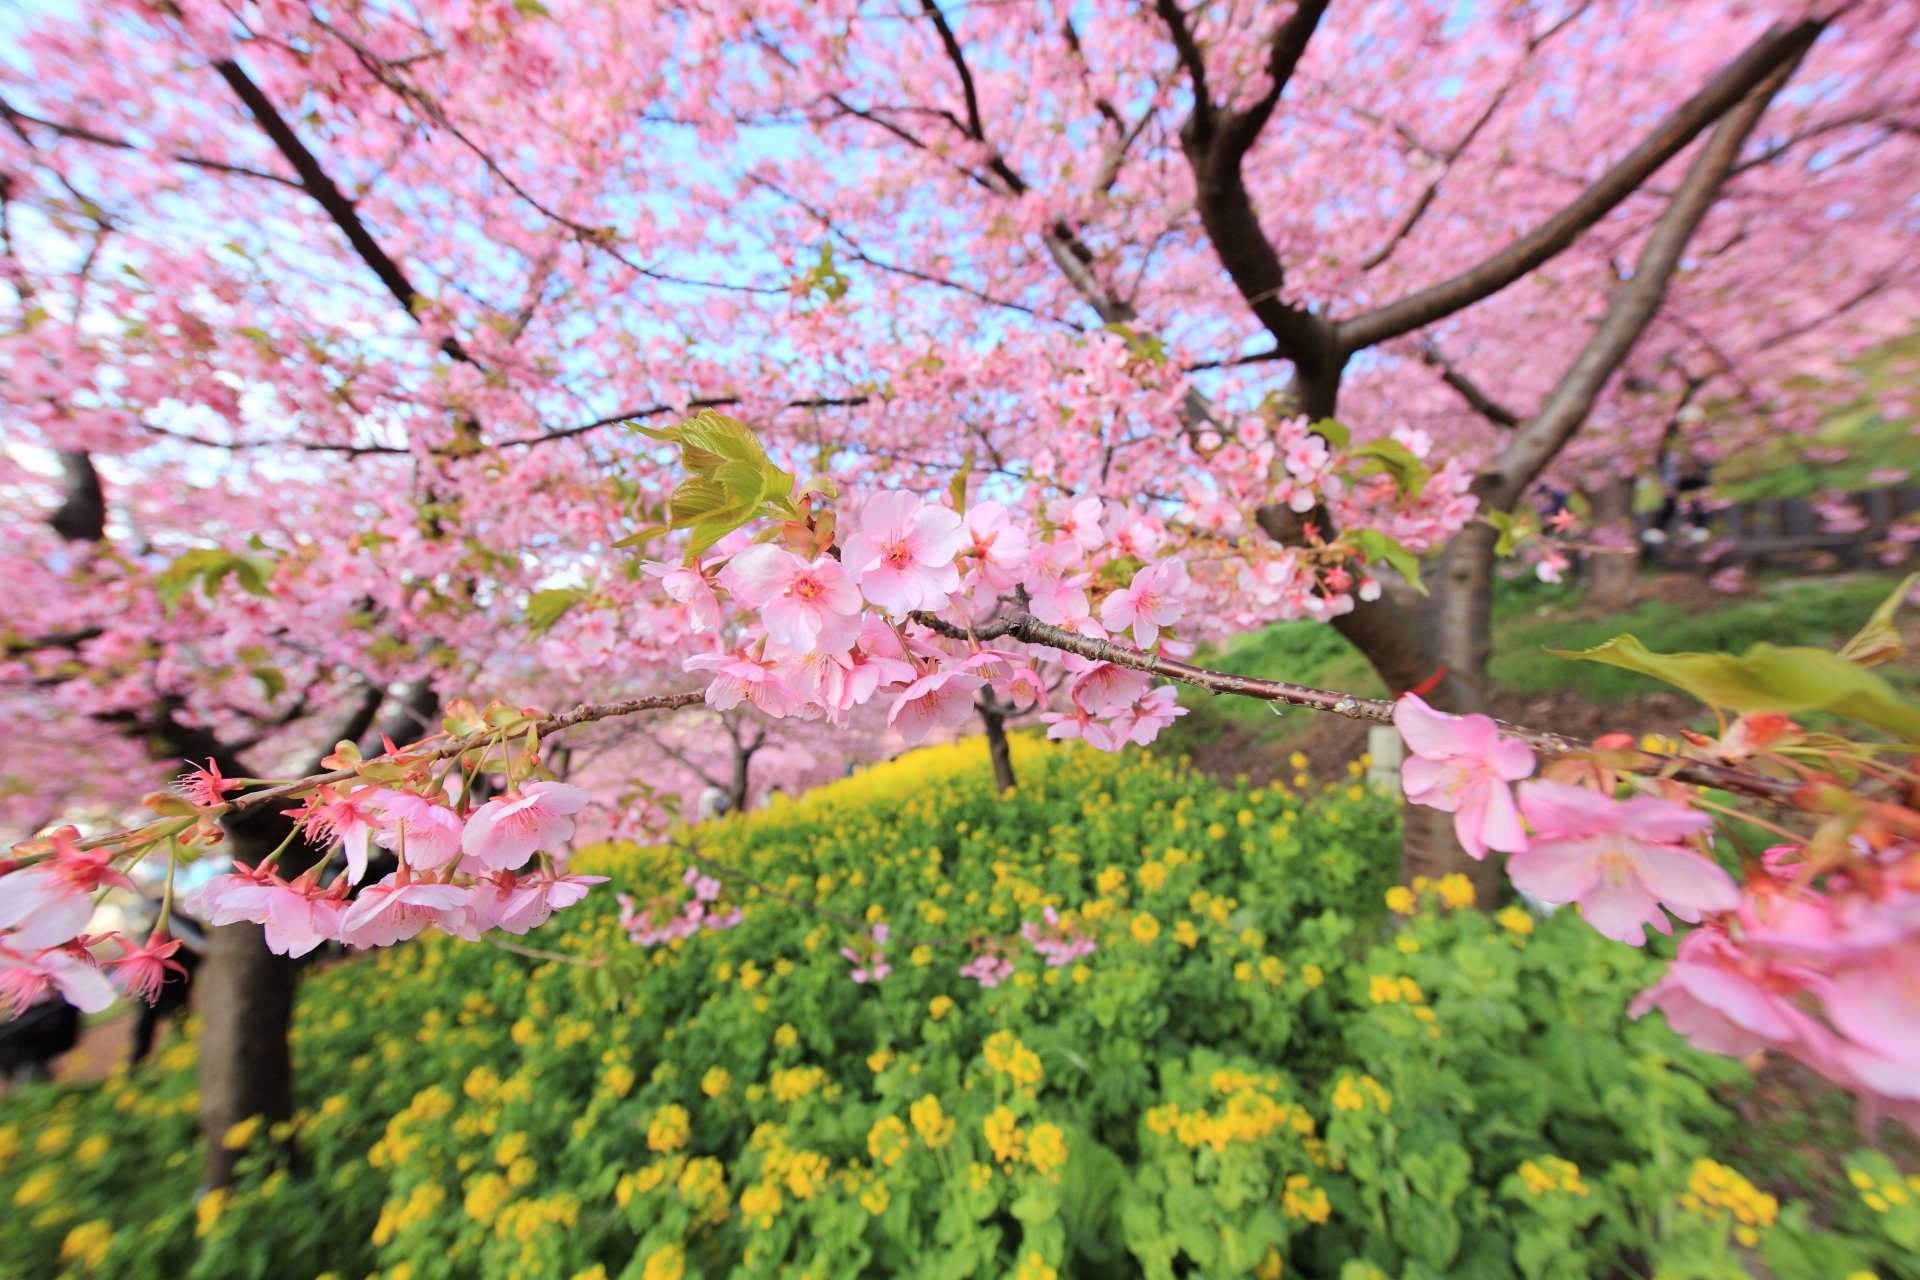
(1529, 620)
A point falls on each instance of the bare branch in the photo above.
(1633, 306)
(1477, 399)
(1776, 48)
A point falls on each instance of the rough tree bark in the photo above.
(1612, 576)
(994, 716)
(744, 747)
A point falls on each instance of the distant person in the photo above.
(1685, 477)
(713, 803)
(30, 1042)
(772, 793)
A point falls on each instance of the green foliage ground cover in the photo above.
(1272, 1063)
(1531, 618)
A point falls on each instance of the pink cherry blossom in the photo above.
(988, 969)
(51, 901)
(1621, 861)
(689, 587)
(739, 678)
(1151, 601)
(1461, 765)
(1104, 688)
(396, 909)
(352, 818)
(143, 970)
(428, 834)
(204, 786)
(242, 894)
(1142, 722)
(301, 916)
(807, 607)
(533, 901)
(507, 830)
(999, 547)
(28, 977)
(941, 699)
(1060, 600)
(901, 556)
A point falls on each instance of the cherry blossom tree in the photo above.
(324, 327)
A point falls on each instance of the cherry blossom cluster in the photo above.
(669, 919)
(1058, 942)
(45, 906)
(890, 608)
(1813, 952)
(462, 874)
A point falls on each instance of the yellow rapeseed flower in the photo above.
(668, 1262)
(887, 1141)
(669, 1129)
(87, 1243)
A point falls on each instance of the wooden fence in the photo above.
(1774, 533)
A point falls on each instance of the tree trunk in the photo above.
(738, 786)
(246, 1067)
(998, 750)
(1613, 575)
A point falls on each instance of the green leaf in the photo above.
(641, 537)
(1768, 678)
(957, 487)
(271, 680)
(1390, 457)
(1879, 641)
(1335, 433)
(544, 608)
(1375, 545)
(696, 498)
(1509, 526)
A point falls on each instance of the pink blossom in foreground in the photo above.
(143, 970)
(242, 894)
(901, 556)
(807, 607)
(51, 901)
(1620, 860)
(350, 818)
(943, 699)
(1104, 688)
(689, 587)
(1142, 722)
(1461, 765)
(739, 678)
(300, 916)
(1083, 724)
(1153, 600)
(425, 833)
(533, 901)
(204, 786)
(998, 546)
(27, 978)
(504, 832)
(396, 909)
(1727, 999)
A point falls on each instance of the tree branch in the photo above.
(1775, 48)
(1470, 391)
(1216, 141)
(315, 180)
(1633, 306)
